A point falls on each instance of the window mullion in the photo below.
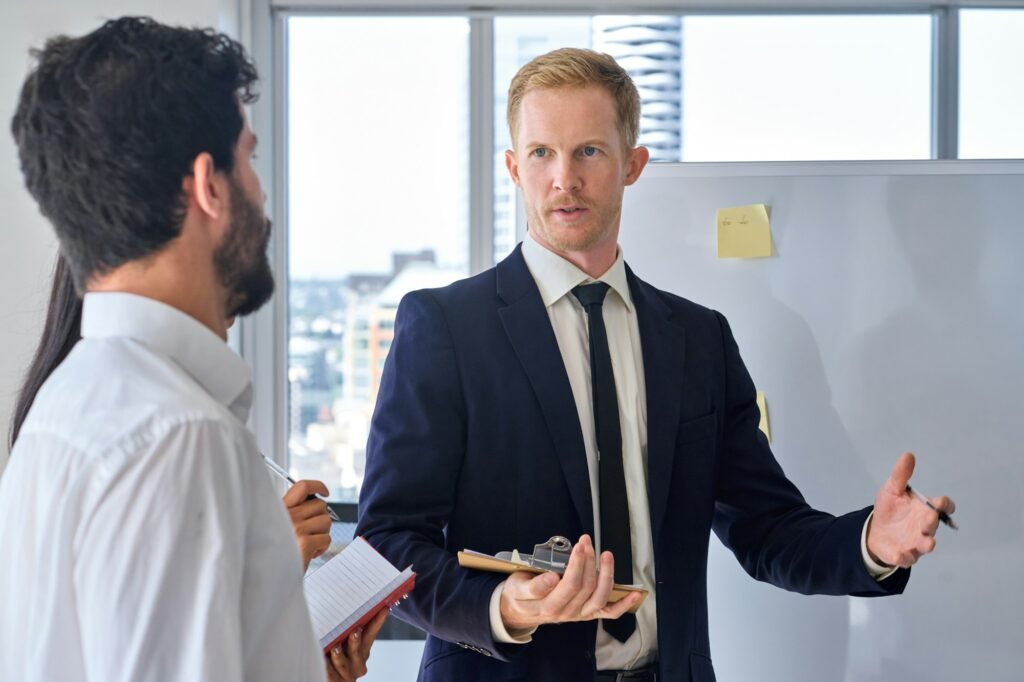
(263, 336)
(945, 83)
(481, 143)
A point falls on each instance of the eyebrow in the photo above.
(596, 142)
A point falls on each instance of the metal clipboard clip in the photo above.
(552, 555)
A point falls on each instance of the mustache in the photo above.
(566, 203)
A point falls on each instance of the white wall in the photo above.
(27, 245)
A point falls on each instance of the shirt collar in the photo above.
(556, 277)
(169, 331)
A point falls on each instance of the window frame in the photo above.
(262, 338)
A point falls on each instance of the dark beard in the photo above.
(241, 260)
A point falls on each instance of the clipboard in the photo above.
(551, 556)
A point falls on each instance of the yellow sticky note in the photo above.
(744, 232)
(764, 416)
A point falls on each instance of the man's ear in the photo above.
(207, 188)
(638, 159)
(512, 165)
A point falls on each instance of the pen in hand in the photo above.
(943, 516)
(281, 473)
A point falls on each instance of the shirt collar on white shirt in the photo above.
(167, 330)
(556, 276)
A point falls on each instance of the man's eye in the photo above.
(590, 151)
(540, 152)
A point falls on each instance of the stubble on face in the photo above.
(595, 227)
(241, 259)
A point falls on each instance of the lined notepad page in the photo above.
(345, 588)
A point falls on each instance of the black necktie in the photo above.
(611, 478)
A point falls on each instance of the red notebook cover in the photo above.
(389, 601)
(350, 589)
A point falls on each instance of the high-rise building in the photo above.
(650, 49)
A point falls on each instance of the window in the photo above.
(377, 207)
(806, 88)
(991, 99)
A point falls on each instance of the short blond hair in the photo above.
(571, 67)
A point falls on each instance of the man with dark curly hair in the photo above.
(141, 537)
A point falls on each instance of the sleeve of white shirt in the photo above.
(877, 571)
(159, 557)
(499, 632)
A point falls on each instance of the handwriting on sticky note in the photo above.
(761, 405)
(744, 232)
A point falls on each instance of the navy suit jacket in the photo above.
(476, 443)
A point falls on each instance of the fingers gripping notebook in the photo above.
(350, 589)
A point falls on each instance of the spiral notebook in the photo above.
(350, 589)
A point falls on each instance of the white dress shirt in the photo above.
(140, 535)
(555, 278)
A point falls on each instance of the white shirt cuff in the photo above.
(877, 571)
(499, 633)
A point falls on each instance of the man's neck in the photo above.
(160, 279)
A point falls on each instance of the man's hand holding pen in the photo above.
(310, 519)
(902, 528)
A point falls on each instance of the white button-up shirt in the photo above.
(139, 533)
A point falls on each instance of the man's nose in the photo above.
(567, 177)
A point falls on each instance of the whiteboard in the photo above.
(889, 318)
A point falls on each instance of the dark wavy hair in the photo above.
(62, 330)
(109, 124)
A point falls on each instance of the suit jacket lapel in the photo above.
(529, 331)
(663, 345)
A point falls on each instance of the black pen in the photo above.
(943, 516)
(276, 468)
